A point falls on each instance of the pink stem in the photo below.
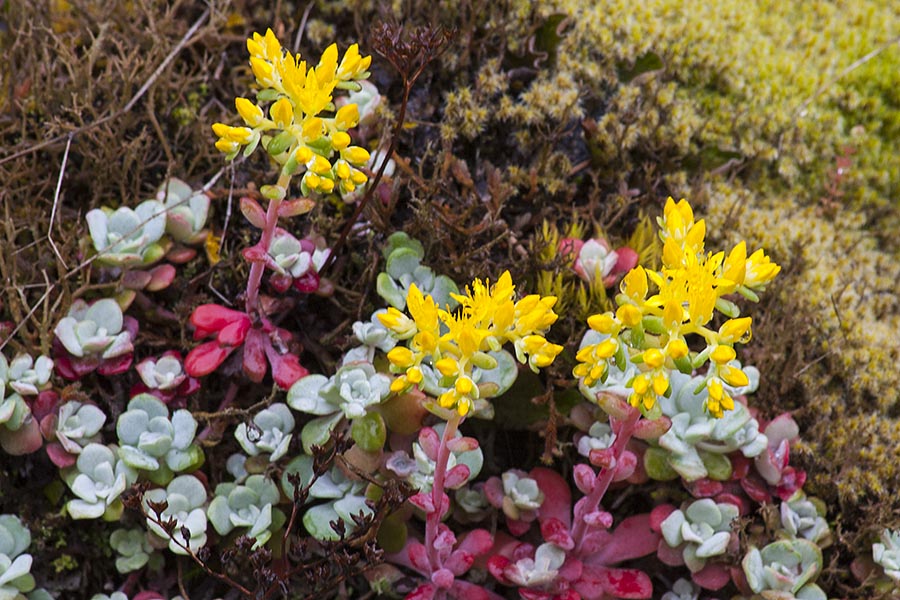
(605, 476)
(258, 268)
(437, 492)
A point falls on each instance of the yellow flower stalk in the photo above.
(304, 132)
(454, 343)
(691, 288)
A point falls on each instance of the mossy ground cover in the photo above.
(779, 120)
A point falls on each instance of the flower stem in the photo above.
(258, 268)
(437, 491)
(605, 476)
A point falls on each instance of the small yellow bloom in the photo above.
(722, 354)
(603, 323)
(347, 117)
(733, 376)
(340, 140)
(250, 113)
(735, 330)
(677, 348)
(448, 367)
(282, 113)
(401, 357)
(355, 155)
(629, 314)
(760, 270)
(653, 358)
(303, 155)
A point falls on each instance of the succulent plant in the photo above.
(165, 378)
(184, 499)
(887, 554)
(403, 268)
(25, 375)
(804, 518)
(682, 589)
(113, 596)
(372, 335)
(98, 479)
(785, 570)
(149, 438)
(293, 258)
(126, 237)
(19, 432)
(344, 497)
(248, 505)
(595, 260)
(518, 496)
(463, 464)
(94, 336)
(538, 571)
(599, 437)
(351, 390)
(271, 432)
(702, 530)
(15, 566)
(186, 211)
(69, 429)
(133, 549)
(695, 438)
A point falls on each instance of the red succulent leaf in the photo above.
(621, 583)
(256, 254)
(633, 538)
(668, 555)
(496, 565)
(463, 590)
(206, 358)
(462, 444)
(211, 318)
(295, 206)
(280, 283)
(756, 488)
(136, 280)
(557, 495)
(599, 519)
(59, 456)
(45, 404)
(556, 532)
(626, 466)
(714, 576)
(180, 255)
(307, 283)
(648, 429)
(704, 488)
(791, 480)
(493, 491)
(459, 562)
(114, 366)
(423, 502)
(286, 368)
(255, 365)
(234, 333)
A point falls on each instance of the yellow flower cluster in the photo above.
(295, 133)
(453, 343)
(651, 330)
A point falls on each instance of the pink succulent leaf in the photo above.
(161, 278)
(604, 458)
(517, 527)
(626, 466)
(443, 578)
(423, 502)
(459, 562)
(557, 495)
(599, 519)
(180, 255)
(45, 404)
(418, 557)
(792, 480)
(462, 444)
(136, 280)
(632, 538)
(444, 541)
(782, 428)
(570, 248)
(584, 477)
(423, 592)
(477, 542)
(286, 368)
(714, 576)
(556, 532)
(740, 501)
(463, 590)
(456, 476)
(254, 363)
(650, 429)
(430, 441)
(253, 212)
(571, 570)
(674, 557)
(756, 488)
(234, 333)
(493, 491)
(294, 207)
(628, 259)
(24, 440)
(206, 358)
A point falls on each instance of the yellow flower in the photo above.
(735, 330)
(282, 113)
(353, 66)
(760, 271)
(717, 399)
(250, 113)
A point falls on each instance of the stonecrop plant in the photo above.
(384, 470)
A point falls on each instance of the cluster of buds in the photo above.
(453, 343)
(296, 134)
(650, 331)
